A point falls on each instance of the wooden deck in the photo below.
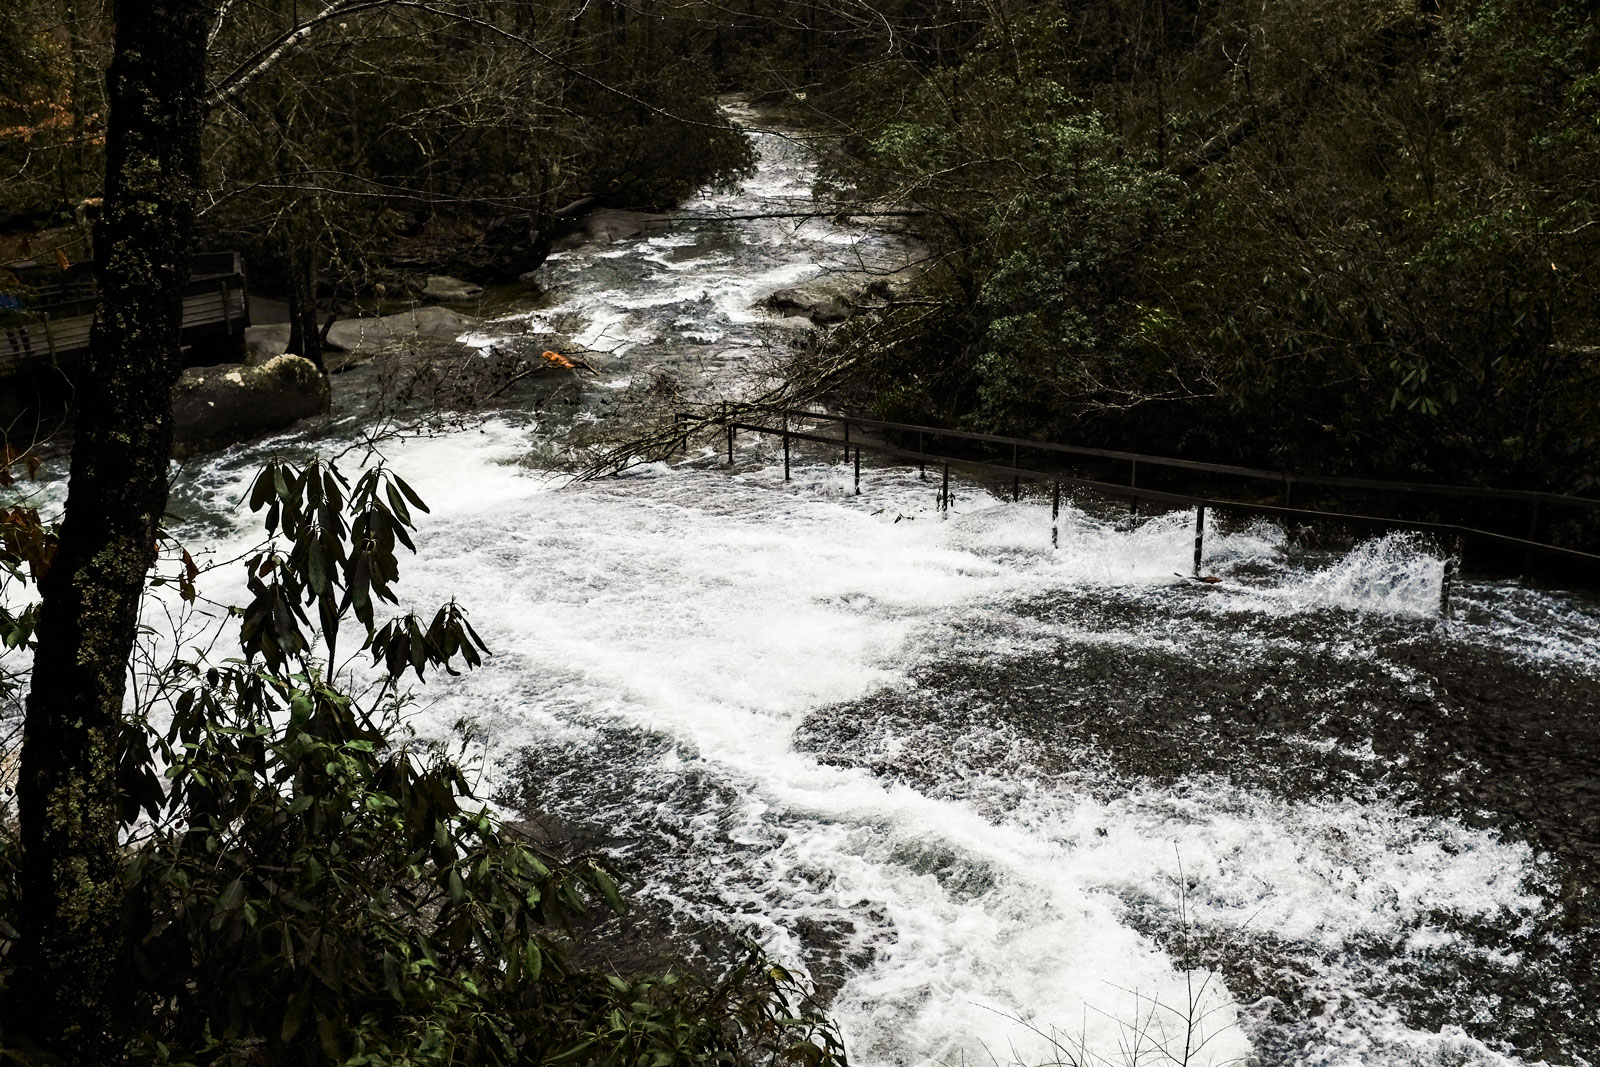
(52, 328)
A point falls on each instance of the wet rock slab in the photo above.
(1316, 707)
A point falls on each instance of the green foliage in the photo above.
(1045, 219)
(306, 883)
(1348, 235)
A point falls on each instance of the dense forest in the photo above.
(1352, 236)
(1346, 236)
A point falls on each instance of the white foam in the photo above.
(718, 611)
(1002, 907)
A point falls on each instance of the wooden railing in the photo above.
(52, 328)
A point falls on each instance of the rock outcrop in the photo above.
(834, 298)
(822, 304)
(213, 407)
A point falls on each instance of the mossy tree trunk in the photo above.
(118, 491)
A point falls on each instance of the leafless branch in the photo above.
(281, 47)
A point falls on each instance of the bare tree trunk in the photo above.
(118, 490)
(304, 337)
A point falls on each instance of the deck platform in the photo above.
(51, 329)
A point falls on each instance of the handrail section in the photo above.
(1260, 474)
(1449, 532)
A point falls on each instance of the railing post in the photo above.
(785, 446)
(944, 493)
(729, 424)
(1055, 515)
(1452, 565)
(1533, 535)
(227, 313)
(1016, 481)
(1199, 536)
(50, 338)
(858, 470)
(1288, 491)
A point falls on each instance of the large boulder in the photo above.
(213, 407)
(836, 297)
(450, 290)
(366, 337)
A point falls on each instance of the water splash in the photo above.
(1396, 574)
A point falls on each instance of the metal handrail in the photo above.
(1444, 531)
(1259, 474)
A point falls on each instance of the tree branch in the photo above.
(292, 40)
(279, 48)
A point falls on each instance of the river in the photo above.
(1001, 802)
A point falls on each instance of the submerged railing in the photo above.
(1450, 535)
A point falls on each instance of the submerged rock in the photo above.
(213, 407)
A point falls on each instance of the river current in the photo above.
(1001, 802)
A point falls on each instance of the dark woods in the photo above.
(1339, 237)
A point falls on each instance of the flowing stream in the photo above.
(1001, 802)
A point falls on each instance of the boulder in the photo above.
(822, 304)
(836, 297)
(367, 336)
(213, 407)
(612, 224)
(450, 290)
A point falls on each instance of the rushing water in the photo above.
(1004, 802)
